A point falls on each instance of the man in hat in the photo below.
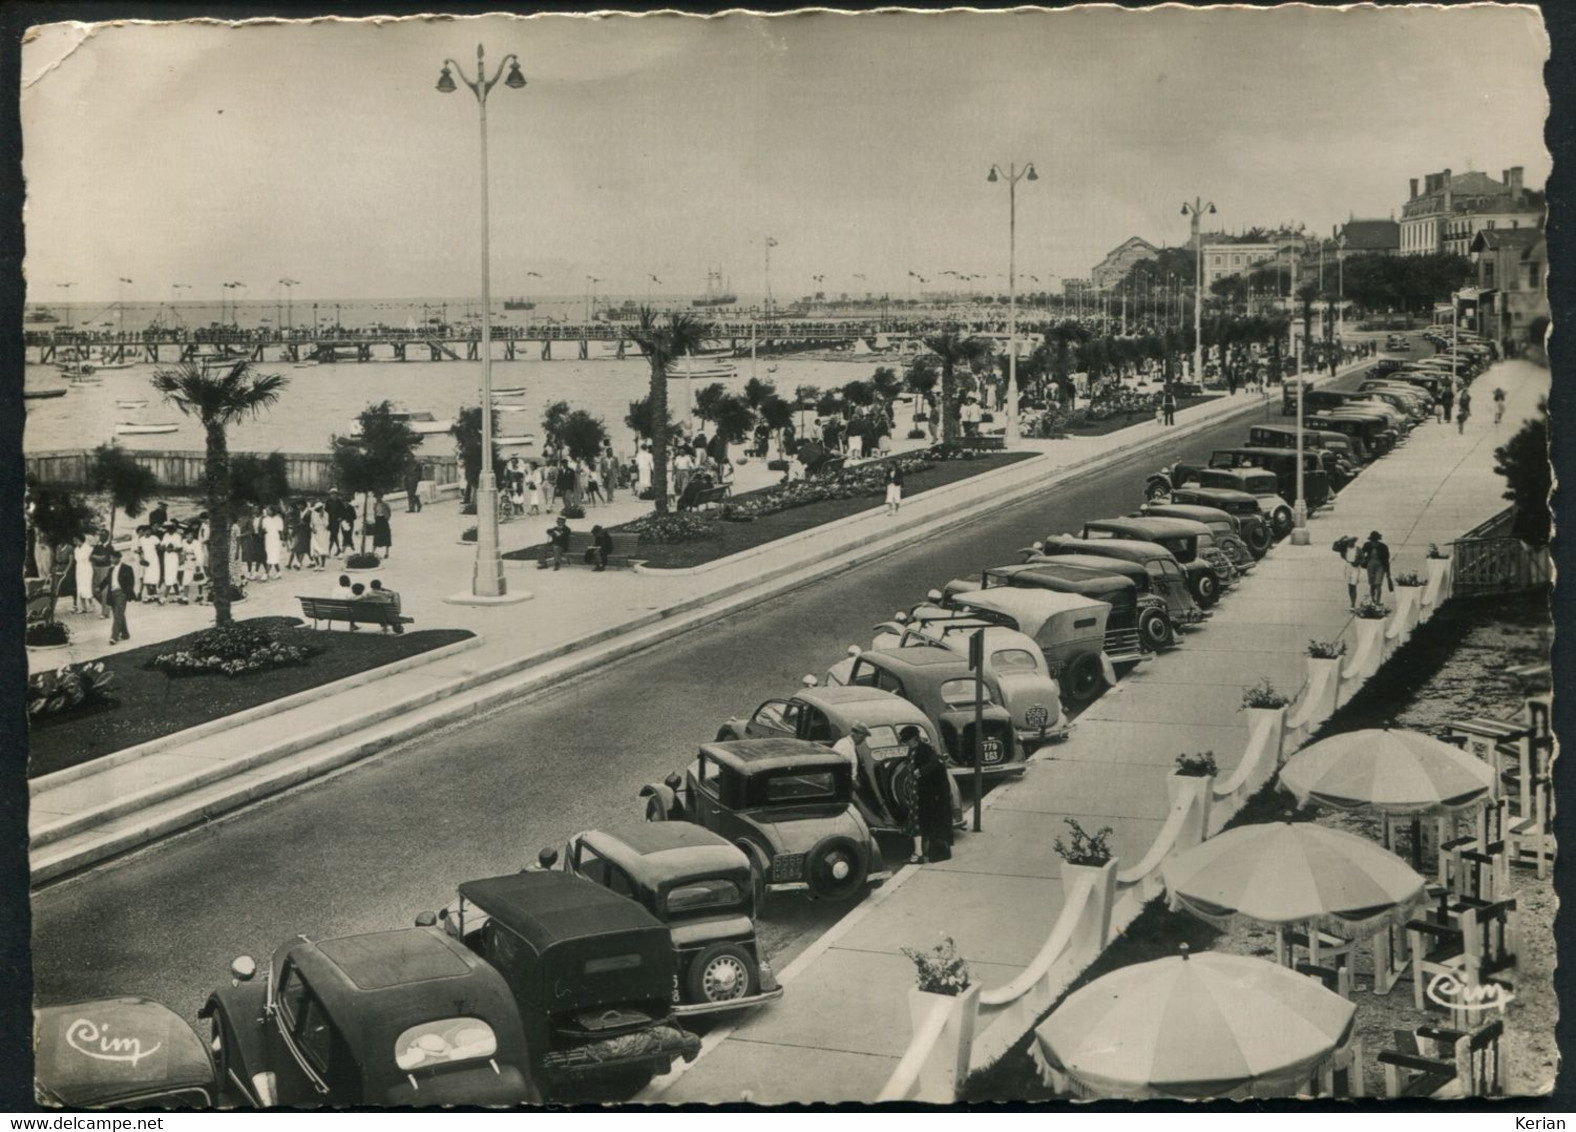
(601, 546)
(558, 544)
(855, 747)
(1375, 558)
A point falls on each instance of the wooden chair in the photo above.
(1342, 1074)
(1482, 943)
(1433, 1062)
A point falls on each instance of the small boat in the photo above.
(703, 367)
(508, 408)
(114, 365)
(509, 391)
(130, 428)
(131, 404)
(424, 424)
(43, 391)
(514, 441)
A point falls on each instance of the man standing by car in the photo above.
(855, 747)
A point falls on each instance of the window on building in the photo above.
(1533, 273)
(1488, 224)
(1515, 223)
(1488, 272)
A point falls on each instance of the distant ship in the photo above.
(718, 293)
(518, 305)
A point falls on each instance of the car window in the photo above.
(884, 738)
(887, 682)
(709, 772)
(812, 786)
(791, 714)
(864, 675)
(770, 714)
(709, 892)
(618, 881)
(1013, 660)
(817, 728)
(444, 1042)
(315, 1036)
(1092, 533)
(1170, 568)
(960, 692)
(591, 865)
(292, 995)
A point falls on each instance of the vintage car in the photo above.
(1168, 585)
(1399, 421)
(1262, 486)
(1341, 468)
(1283, 463)
(1188, 540)
(1017, 675)
(699, 885)
(119, 1053)
(788, 803)
(591, 972)
(1137, 625)
(1413, 400)
(1069, 628)
(390, 1018)
(1243, 508)
(1377, 435)
(826, 715)
(1198, 577)
(1223, 528)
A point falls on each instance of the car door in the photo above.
(306, 1054)
(772, 720)
(815, 726)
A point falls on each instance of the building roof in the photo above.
(1371, 235)
(1493, 239)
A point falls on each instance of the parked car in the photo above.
(1282, 463)
(391, 1018)
(1188, 540)
(700, 886)
(591, 973)
(1374, 429)
(788, 803)
(1410, 399)
(1285, 436)
(1198, 577)
(1263, 486)
(1138, 623)
(1242, 507)
(826, 715)
(1069, 628)
(1171, 588)
(1224, 528)
(119, 1053)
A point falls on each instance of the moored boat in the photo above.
(514, 441)
(39, 392)
(131, 404)
(131, 428)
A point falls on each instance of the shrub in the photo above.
(231, 650)
(1263, 695)
(44, 633)
(1201, 765)
(1408, 578)
(573, 511)
(1084, 848)
(468, 508)
(363, 561)
(941, 970)
(1327, 650)
(67, 688)
(1435, 553)
(916, 434)
(683, 526)
(1372, 611)
(468, 534)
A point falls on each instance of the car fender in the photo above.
(1019, 691)
(246, 1051)
(668, 797)
(734, 727)
(837, 675)
(1107, 669)
(960, 586)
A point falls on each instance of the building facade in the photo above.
(1453, 208)
(1119, 261)
(1370, 237)
(1513, 287)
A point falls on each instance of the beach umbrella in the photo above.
(1292, 872)
(1192, 1026)
(1395, 772)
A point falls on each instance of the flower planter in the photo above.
(1196, 791)
(1266, 742)
(1094, 930)
(1407, 613)
(1323, 694)
(943, 1073)
(1369, 653)
(1435, 592)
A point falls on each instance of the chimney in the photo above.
(1513, 178)
(1414, 189)
(1445, 184)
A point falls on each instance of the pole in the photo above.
(1299, 534)
(1012, 340)
(1198, 298)
(977, 662)
(488, 580)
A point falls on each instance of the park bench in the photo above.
(331, 609)
(622, 554)
(711, 496)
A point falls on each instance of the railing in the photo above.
(1101, 903)
(305, 472)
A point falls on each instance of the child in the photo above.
(516, 496)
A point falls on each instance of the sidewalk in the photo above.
(839, 1032)
(578, 620)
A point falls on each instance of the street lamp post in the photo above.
(1195, 212)
(175, 315)
(488, 579)
(289, 286)
(121, 307)
(1014, 175)
(66, 287)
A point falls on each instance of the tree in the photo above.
(1524, 462)
(218, 400)
(859, 394)
(59, 519)
(922, 374)
(777, 413)
(732, 418)
(553, 417)
(374, 460)
(953, 349)
(639, 417)
(129, 485)
(829, 403)
(757, 392)
(806, 394)
(467, 433)
(583, 435)
(707, 398)
(662, 340)
(258, 480)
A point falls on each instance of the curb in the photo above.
(851, 555)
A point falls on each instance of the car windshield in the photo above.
(960, 692)
(811, 786)
(709, 892)
(1011, 660)
(444, 1042)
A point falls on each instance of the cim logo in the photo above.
(92, 1040)
(1450, 992)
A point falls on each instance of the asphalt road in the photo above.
(384, 839)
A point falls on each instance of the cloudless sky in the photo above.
(665, 145)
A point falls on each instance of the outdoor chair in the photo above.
(1480, 944)
(1325, 949)
(1433, 1062)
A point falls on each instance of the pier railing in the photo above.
(307, 473)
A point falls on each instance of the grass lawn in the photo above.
(1101, 428)
(731, 538)
(152, 705)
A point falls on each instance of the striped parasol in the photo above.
(1395, 772)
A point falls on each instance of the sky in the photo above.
(666, 145)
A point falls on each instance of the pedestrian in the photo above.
(122, 588)
(171, 549)
(1346, 547)
(1168, 406)
(301, 538)
(1463, 408)
(593, 485)
(1499, 404)
(644, 465)
(601, 546)
(159, 516)
(894, 488)
(412, 487)
(337, 543)
(320, 535)
(382, 536)
(148, 554)
(533, 483)
(930, 808)
(273, 529)
(82, 577)
(103, 558)
(855, 747)
(1375, 559)
(193, 576)
(557, 543)
(1446, 400)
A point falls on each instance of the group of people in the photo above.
(304, 535)
(928, 800)
(1368, 561)
(371, 591)
(173, 564)
(559, 478)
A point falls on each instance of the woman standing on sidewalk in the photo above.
(1463, 409)
(930, 803)
(382, 535)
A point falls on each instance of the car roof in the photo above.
(1018, 599)
(917, 657)
(665, 852)
(77, 1079)
(1097, 563)
(749, 756)
(1227, 494)
(1131, 545)
(871, 706)
(1087, 582)
(1166, 526)
(549, 908)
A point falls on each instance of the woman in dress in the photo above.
(593, 489)
(533, 485)
(382, 536)
(318, 518)
(273, 526)
(82, 554)
(301, 541)
(148, 550)
(173, 547)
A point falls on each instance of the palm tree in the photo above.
(219, 400)
(954, 349)
(662, 340)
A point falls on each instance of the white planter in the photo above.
(1407, 613)
(1196, 792)
(944, 1070)
(1094, 931)
(1322, 697)
(1436, 592)
(1369, 653)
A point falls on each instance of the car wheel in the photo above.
(1157, 491)
(655, 810)
(1154, 629)
(1208, 590)
(897, 788)
(723, 972)
(1257, 536)
(1282, 519)
(1082, 680)
(835, 869)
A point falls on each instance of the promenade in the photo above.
(841, 1028)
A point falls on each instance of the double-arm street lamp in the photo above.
(66, 287)
(488, 580)
(1013, 176)
(289, 285)
(1195, 212)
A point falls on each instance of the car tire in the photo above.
(1257, 536)
(1283, 520)
(823, 864)
(1082, 680)
(1154, 629)
(1208, 590)
(218, 1049)
(897, 788)
(722, 972)
(1157, 491)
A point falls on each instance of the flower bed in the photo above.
(232, 650)
(67, 689)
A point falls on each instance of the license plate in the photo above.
(994, 751)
